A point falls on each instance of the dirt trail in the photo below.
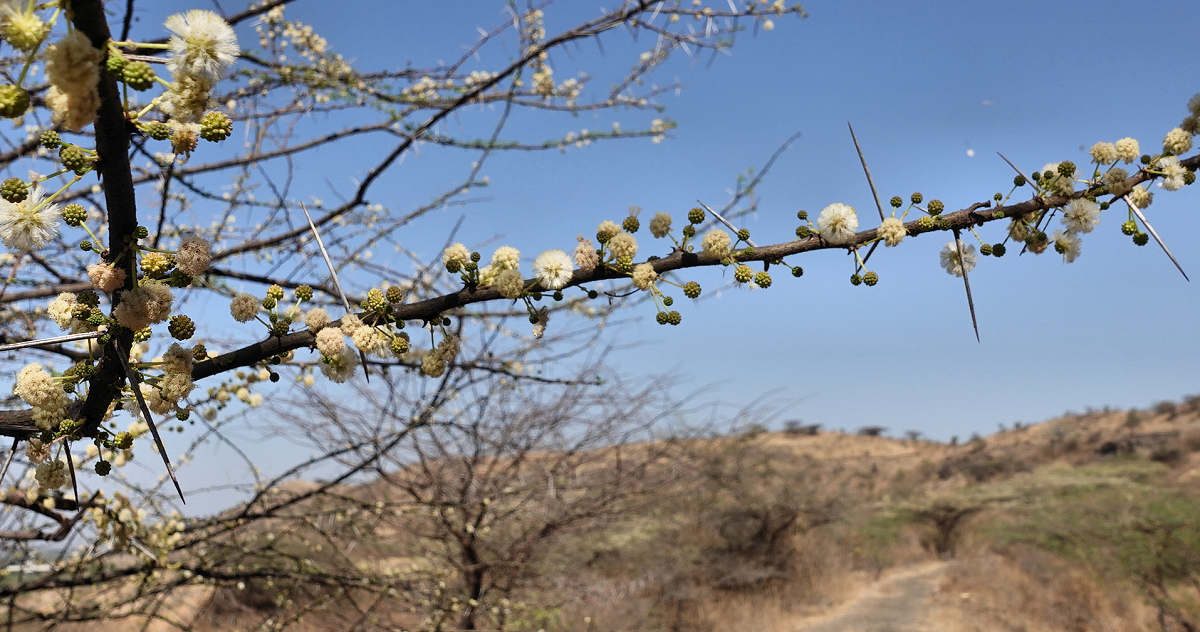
(898, 602)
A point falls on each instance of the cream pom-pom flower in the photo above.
(553, 269)
(838, 223)
(950, 260)
(892, 231)
(202, 44)
(29, 224)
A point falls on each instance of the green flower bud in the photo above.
(73, 157)
(696, 215)
(138, 75)
(74, 214)
(762, 279)
(631, 224)
(181, 327)
(916, 197)
(14, 190)
(742, 273)
(215, 126)
(691, 289)
(50, 139)
(870, 278)
(13, 101)
(304, 293)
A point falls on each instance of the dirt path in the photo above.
(896, 603)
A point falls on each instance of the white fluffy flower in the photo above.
(585, 255)
(455, 257)
(61, 309)
(28, 224)
(553, 269)
(644, 276)
(506, 258)
(330, 341)
(1177, 142)
(243, 307)
(838, 223)
(202, 44)
(892, 231)
(194, 256)
(950, 260)
(660, 225)
(1173, 173)
(316, 319)
(1081, 216)
(1104, 153)
(716, 243)
(1128, 150)
(623, 246)
(341, 367)
(1067, 244)
(510, 284)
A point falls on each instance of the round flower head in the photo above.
(330, 342)
(716, 243)
(1068, 244)
(506, 258)
(607, 230)
(194, 256)
(73, 68)
(950, 260)
(105, 277)
(1177, 142)
(455, 257)
(553, 269)
(1140, 197)
(1104, 153)
(586, 258)
(623, 245)
(1173, 173)
(510, 284)
(892, 231)
(1081, 216)
(244, 307)
(341, 367)
(61, 309)
(660, 225)
(644, 276)
(838, 223)
(202, 44)
(316, 318)
(1128, 150)
(29, 224)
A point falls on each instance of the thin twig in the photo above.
(1154, 233)
(9, 459)
(336, 284)
(866, 170)
(71, 469)
(966, 283)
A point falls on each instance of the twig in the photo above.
(1154, 233)
(9, 459)
(333, 275)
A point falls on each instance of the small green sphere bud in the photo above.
(762, 279)
(855, 279)
(661, 317)
(742, 273)
(274, 377)
(1129, 227)
(558, 295)
(916, 197)
(181, 327)
(592, 294)
(896, 202)
(475, 256)
(199, 352)
(73, 157)
(269, 303)
(743, 234)
(103, 468)
(936, 207)
(1141, 239)
(95, 317)
(1145, 159)
(668, 301)
(689, 230)
(13, 101)
(803, 232)
(870, 278)
(138, 75)
(85, 245)
(74, 214)
(14, 190)
(624, 264)
(399, 345)
(985, 249)
(155, 264)
(691, 289)
(446, 321)
(50, 139)
(215, 126)
(631, 224)
(1189, 177)
(183, 413)
(275, 292)
(801, 215)
(696, 215)
(674, 317)
(797, 272)
(115, 63)
(1019, 180)
(304, 293)
(394, 294)
(925, 222)
(157, 130)
(1066, 168)
(997, 196)
(142, 335)
(280, 326)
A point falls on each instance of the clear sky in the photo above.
(934, 90)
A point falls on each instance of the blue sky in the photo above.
(923, 83)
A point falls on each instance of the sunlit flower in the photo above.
(950, 258)
(838, 223)
(29, 224)
(1081, 216)
(202, 44)
(553, 269)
